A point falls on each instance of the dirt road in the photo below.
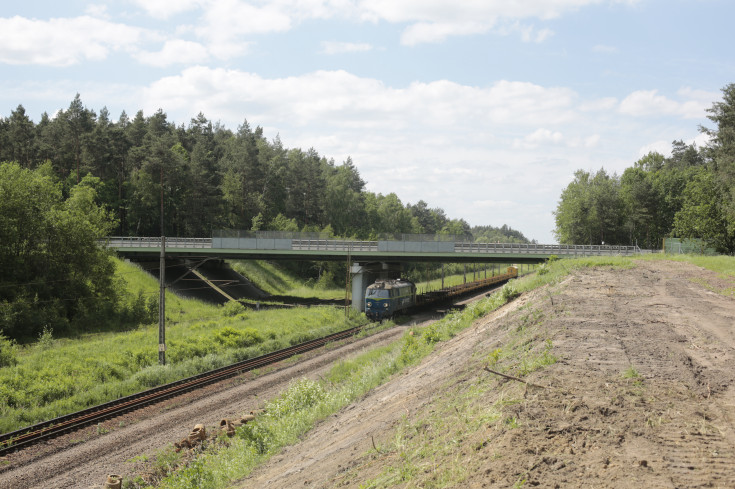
(641, 395)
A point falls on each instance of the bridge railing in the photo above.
(155, 242)
(319, 244)
(333, 245)
(544, 249)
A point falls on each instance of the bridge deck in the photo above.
(358, 251)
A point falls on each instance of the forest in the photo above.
(78, 176)
(210, 177)
(690, 194)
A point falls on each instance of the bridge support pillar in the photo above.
(364, 274)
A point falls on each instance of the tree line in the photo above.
(210, 177)
(690, 194)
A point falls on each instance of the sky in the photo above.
(484, 108)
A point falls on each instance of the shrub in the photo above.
(233, 338)
(8, 351)
(46, 338)
(152, 376)
(233, 308)
(431, 334)
(509, 292)
(300, 395)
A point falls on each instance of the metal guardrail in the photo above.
(155, 242)
(333, 245)
(372, 246)
(543, 249)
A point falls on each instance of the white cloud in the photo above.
(347, 100)
(660, 146)
(64, 41)
(451, 10)
(174, 52)
(430, 32)
(648, 103)
(435, 20)
(97, 11)
(664, 146)
(538, 138)
(530, 34)
(592, 141)
(701, 140)
(163, 9)
(334, 47)
(428, 21)
(600, 104)
(226, 23)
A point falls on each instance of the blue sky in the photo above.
(484, 108)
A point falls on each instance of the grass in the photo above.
(631, 373)
(724, 266)
(275, 280)
(55, 376)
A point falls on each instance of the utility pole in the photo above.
(347, 280)
(162, 290)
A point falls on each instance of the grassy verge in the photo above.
(55, 376)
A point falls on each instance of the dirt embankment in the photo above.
(642, 395)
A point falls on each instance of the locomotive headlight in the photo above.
(385, 305)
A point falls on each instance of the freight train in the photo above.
(385, 298)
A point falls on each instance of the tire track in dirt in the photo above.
(664, 311)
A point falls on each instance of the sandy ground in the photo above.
(668, 423)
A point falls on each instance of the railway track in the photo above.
(25, 437)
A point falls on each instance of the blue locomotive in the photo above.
(384, 298)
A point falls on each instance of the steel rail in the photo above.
(24, 437)
(30, 435)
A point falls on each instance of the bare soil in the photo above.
(642, 395)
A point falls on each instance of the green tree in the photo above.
(19, 143)
(721, 150)
(704, 214)
(343, 202)
(591, 210)
(52, 271)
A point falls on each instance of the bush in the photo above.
(233, 338)
(509, 292)
(233, 308)
(8, 351)
(152, 376)
(300, 395)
